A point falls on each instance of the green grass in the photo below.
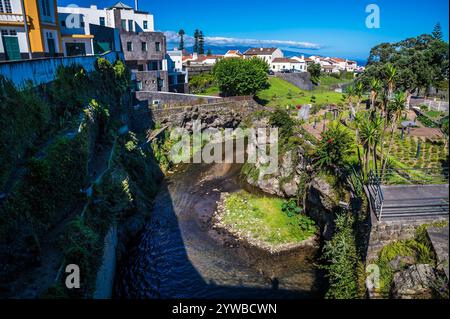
(262, 219)
(282, 93)
(213, 90)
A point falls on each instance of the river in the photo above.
(178, 255)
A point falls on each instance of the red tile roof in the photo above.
(284, 60)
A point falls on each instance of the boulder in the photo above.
(414, 282)
(402, 261)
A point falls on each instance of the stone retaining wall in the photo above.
(218, 114)
(300, 80)
(384, 233)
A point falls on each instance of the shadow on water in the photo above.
(179, 256)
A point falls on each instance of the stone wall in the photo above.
(300, 80)
(226, 113)
(384, 233)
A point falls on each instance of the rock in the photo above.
(402, 261)
(290, 188)
(414, 282)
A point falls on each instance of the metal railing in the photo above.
(376, 194)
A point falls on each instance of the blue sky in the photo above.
(330, 27)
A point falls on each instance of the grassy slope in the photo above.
(263, 219)
(277, 93)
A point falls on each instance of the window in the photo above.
(4, 32)
(130, 25)
(46, 8)
(5, 6)
(124, 24)
(63, 23)
(144, 46)
(145, 25)
(157, 46)
(12, 32)
(129, 46)
(102, 21)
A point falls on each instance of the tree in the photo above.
(350, 94)
(359, 92)
(196, 36)
(181, 33)
(314, 71)
(391, 74)
(420, 62)
(369, 133)
(334, 147)
(396, 108)
(201, 43)
(241, 77)
(341, 254)
(375, 86)
(437, 31)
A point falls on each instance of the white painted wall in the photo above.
(175, 61)
(92, 15)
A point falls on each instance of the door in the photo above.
(11, 46)
(74, 49)
(51, 47)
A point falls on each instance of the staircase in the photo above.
(408, 202)
(415, 209)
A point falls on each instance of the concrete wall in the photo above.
(40, 71)
(149, 80)
(151, 38)
(142, 117)
(300, 80)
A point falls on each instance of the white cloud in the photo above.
(172, 37)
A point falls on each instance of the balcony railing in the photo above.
(11, 17)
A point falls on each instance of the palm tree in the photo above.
(396, 108)
(375, 86)
(350, 90)
(391, 74)
(359, 91)
(369, 129)
(181, 33)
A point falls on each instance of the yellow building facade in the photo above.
(40, 36)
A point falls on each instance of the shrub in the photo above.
(335, 147)
(281, 119)
(241, 77)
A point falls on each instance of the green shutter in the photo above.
(12, 50)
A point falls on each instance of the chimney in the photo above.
(136, 5)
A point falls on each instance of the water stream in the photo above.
(178, 255)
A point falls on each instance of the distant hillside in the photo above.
(215, 49)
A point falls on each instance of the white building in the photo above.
(12, 30)
(280, 64)
(303, 64)
(265, 54)
(77, 26)
(175, 60)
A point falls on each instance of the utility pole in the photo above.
(25, 25)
